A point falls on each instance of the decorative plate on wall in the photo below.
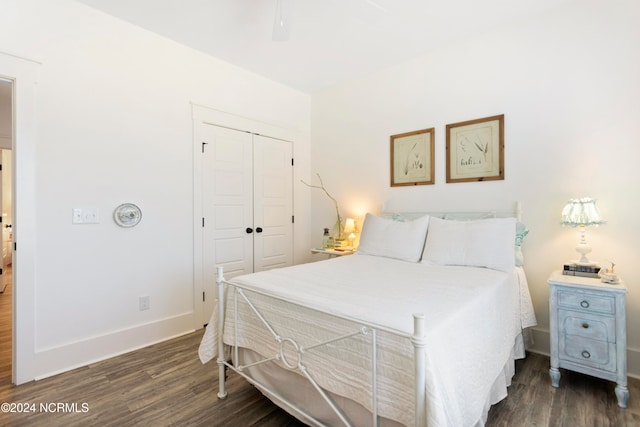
(127, 215)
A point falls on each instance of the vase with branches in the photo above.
(338, 228)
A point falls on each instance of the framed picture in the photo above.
(412, 158)
(475, 150)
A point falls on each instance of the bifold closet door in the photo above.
(247, 202)
(227, 203)
(272, 203)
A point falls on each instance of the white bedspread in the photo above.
(473, 317)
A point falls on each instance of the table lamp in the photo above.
(350, 228)
(581, 213)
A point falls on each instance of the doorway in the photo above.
(6, 233)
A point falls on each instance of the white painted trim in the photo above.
(198, 279)
(70, 356)
(212, 116)
(23, 72)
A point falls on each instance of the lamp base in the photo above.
(583, 249)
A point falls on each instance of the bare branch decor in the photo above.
(412, 160)
(475, 150)
(339, 224)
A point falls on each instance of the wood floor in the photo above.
(5, 328)
(166, 385)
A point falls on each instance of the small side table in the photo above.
(333, 252)
(588, 328)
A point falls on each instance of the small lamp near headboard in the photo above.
(350, 229)
(582, 213)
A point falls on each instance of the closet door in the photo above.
(247, 203)
(227, 205)
(273, 203)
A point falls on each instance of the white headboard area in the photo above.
(516, 212)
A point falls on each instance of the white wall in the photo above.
(568, 86)
(114, 125)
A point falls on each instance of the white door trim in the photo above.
(23, 72)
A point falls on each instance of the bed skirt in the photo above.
(293, 388)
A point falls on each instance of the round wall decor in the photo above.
(127, 215)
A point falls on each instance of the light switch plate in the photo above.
(77, 216)
(85, 216)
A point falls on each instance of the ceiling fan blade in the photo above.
(282, 21)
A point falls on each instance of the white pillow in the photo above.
(393, 239)
(480, 243)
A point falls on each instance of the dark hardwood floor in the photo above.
(166, 385)
(5, 327)
(580, 400)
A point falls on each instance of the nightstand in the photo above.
(588, 328)
(332, 252)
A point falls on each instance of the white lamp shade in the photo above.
(349, 225)
(581, 212)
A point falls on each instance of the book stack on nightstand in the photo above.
(573, 269)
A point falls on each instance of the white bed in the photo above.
(348, 326)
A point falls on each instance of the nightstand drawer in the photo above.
(587, 302)
(597, 354)
(587, 325)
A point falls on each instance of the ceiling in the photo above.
(330, 41)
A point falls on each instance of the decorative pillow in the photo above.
(479, 243)
(393, 239)
(521, 232)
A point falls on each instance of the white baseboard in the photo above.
(541, 346)
(53, 361)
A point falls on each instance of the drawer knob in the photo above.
(584, 304)
(585, 325)
(586, 354)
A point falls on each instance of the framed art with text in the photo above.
(412, 160)
(475, 150)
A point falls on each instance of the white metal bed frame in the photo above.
(417, 339)
(362, 329)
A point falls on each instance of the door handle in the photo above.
(259, 230)
(249, 230)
